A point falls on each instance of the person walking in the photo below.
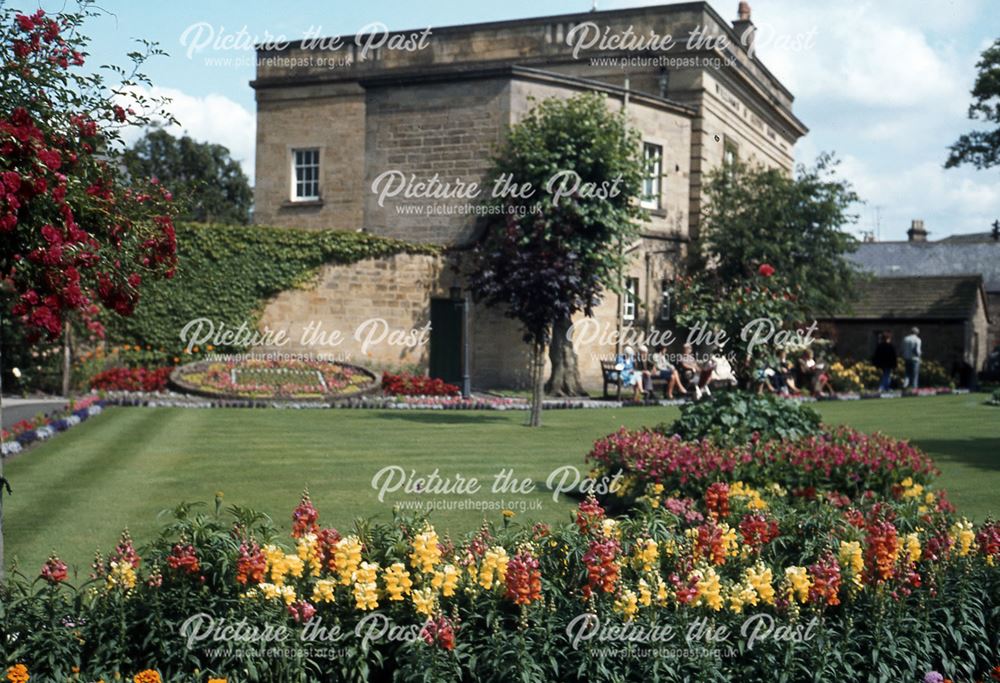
(885, 360)
(911, 357)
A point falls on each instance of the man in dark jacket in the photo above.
(885, 360)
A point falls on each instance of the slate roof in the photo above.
(916, 298)
(945, 257)
(970, 237)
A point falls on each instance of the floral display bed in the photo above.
(255, 379)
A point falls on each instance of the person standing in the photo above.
(885, 360)
(911, 357)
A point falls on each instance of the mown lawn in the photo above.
(75, 493)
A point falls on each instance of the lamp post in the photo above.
(461, 298)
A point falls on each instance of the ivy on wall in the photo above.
(227, 273)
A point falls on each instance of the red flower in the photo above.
(766, 269)
(50, 158)
(524, 579)
(826, 582)
(758, 530)
(304, 518)
(251, 565)
(25, 23)
(717, 500)
(184, 558)
(602, 566)
(54, 570)
(589, 514)
(439, 632)
(301, 611)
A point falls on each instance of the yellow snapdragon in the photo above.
(426, 552)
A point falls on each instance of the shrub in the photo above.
(131, 379)
(733, 417)
(406, 384)
(996, 397)
(883, 584)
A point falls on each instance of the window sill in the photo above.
(292, 204)
(657, 212)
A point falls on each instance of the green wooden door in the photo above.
(446, 340)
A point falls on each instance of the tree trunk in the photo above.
(67, 359)
(565, 379)
(537, 381)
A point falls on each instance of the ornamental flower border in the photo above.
(732, 553)
(25, 433)
(179, 375)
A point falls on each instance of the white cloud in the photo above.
(212, 118)
(950, 201)
(862, 52)
(885, 85)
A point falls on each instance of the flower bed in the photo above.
(875, 584)
(283, 379)
(41, 428)
(843, 461)
(131, 379)
(406, 384)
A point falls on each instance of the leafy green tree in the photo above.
(795, 223)
(982, 148)
(553, 252)
(210, 186)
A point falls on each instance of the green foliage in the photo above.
(794, 223)
(555, 258)
(208, 185)
(996, 397)
(736, 314)
(982, 148)
(226, 273)
(731, 418)
(552, 253)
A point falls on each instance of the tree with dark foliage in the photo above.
(551, 253)
(210, 186)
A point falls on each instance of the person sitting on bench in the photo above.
(664, 369)
(630, 376)
(695, 376)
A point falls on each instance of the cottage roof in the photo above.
(916, 298)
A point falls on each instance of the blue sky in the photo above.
(883, 84)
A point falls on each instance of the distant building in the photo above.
(330, 123)
(976, 254)
(950, 311)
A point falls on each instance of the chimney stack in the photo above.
(917, 233)
(744, 28)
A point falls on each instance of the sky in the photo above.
(883, 84)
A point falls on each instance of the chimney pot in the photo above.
(917, 233)
(744, 28)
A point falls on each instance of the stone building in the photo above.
(975, 255)
(434, 104)
(949, 310)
